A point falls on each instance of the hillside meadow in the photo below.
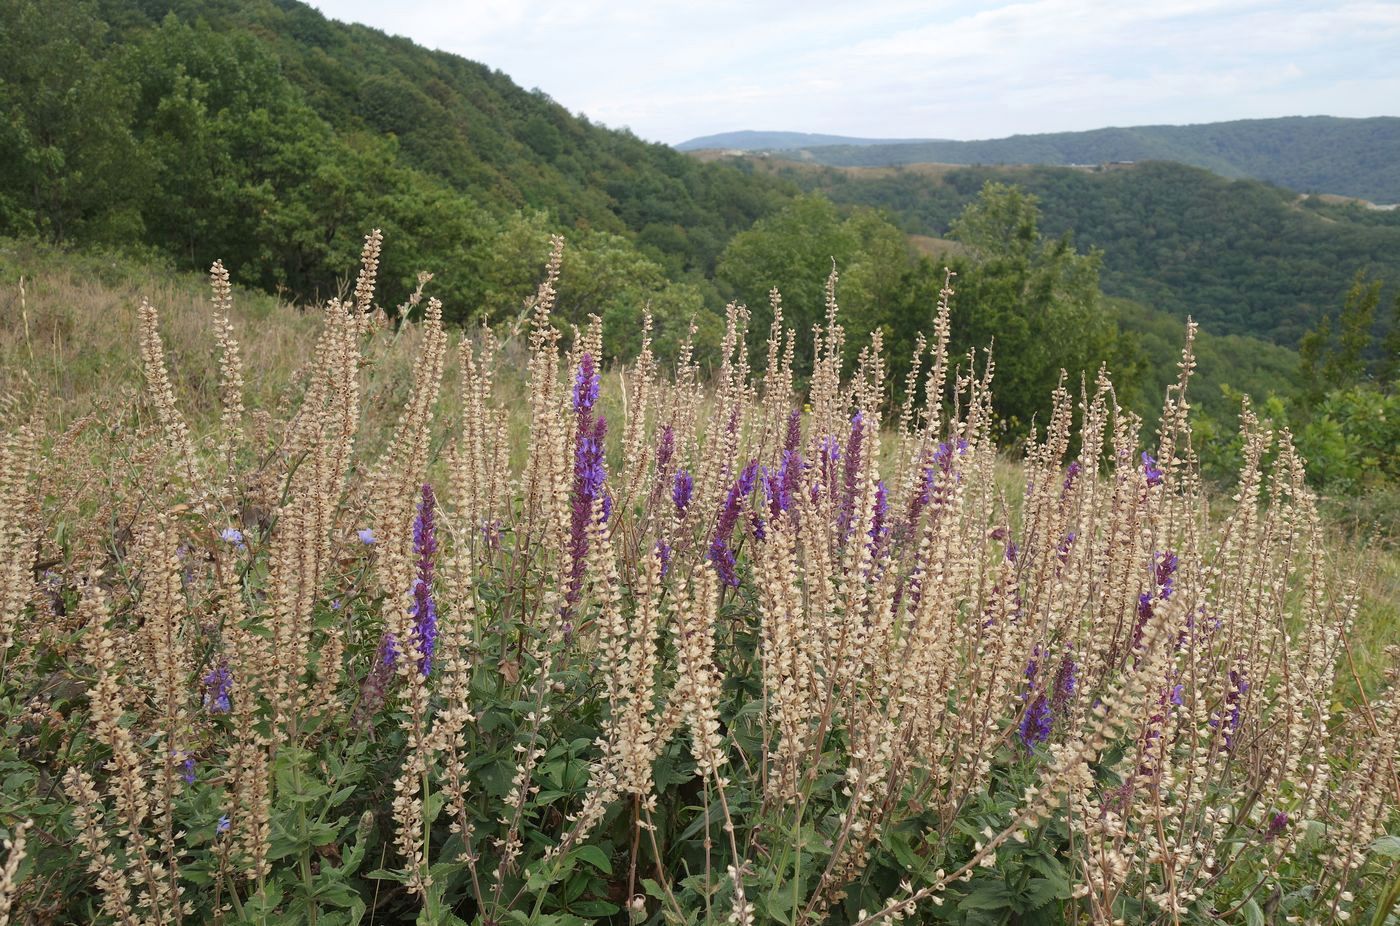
(332, 614)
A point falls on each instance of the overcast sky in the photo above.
(932, 69)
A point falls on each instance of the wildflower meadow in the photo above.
(505, 634)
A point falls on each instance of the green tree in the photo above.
(1037, 299)
(792, 251)
(71, 168)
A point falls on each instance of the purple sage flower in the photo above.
(424, 607)
(851, 466)
(218, 683)
(585, 385)
(1151, 470)
(879, 527)
(792, 439)
(682, 487)
(1035, 723)
(663, 555)
(590, 474)
(366, 535)
(1071, 474)
(665, 448)
(234, 536)
(721, 555)
(780, 486)
(1066, 683)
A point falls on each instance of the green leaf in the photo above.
(1039, 892)
(1386, 847)
(987, 895)
(595, 857)
(595, 908)
(337, 894)
(1253, 916)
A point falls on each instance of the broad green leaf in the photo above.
(595, 857)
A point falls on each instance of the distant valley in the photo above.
(1310, 154)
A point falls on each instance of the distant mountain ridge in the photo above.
(778, 141)
(1309, 154)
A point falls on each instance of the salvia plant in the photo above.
(743, 649)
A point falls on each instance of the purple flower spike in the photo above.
(879, 526)
(720, 553)
(792, 440)
(188, 773)
(851, 475)
(218, 683)
(1072, 474)
(1035, 723)
(424, 607)
(585, 385)
(1151, 470)
(234, 536)
(665, 448)
(682, 487)
(1066, 683)
(590, 475)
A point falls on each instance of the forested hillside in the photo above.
(1310, 154)
(1240, 256)
(266, 135)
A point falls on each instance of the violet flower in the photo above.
(879, 527)
(665, 448)
(720, 554)
(1151, 470)
(218, 682)
(780, 486)
(366, 535)
(590, 473)
(792, 439)
(682, 487)
(1164, 566)
(234, 536)
(1066, 683)
(1035, 723)
(851, 467)
(586, 383)
(1071, 474)
(424, 607)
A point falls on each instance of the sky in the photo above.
(670, 71)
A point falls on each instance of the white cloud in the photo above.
(671, 70)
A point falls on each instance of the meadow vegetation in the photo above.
(342, 615)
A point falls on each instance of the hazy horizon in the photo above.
(903, 69)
